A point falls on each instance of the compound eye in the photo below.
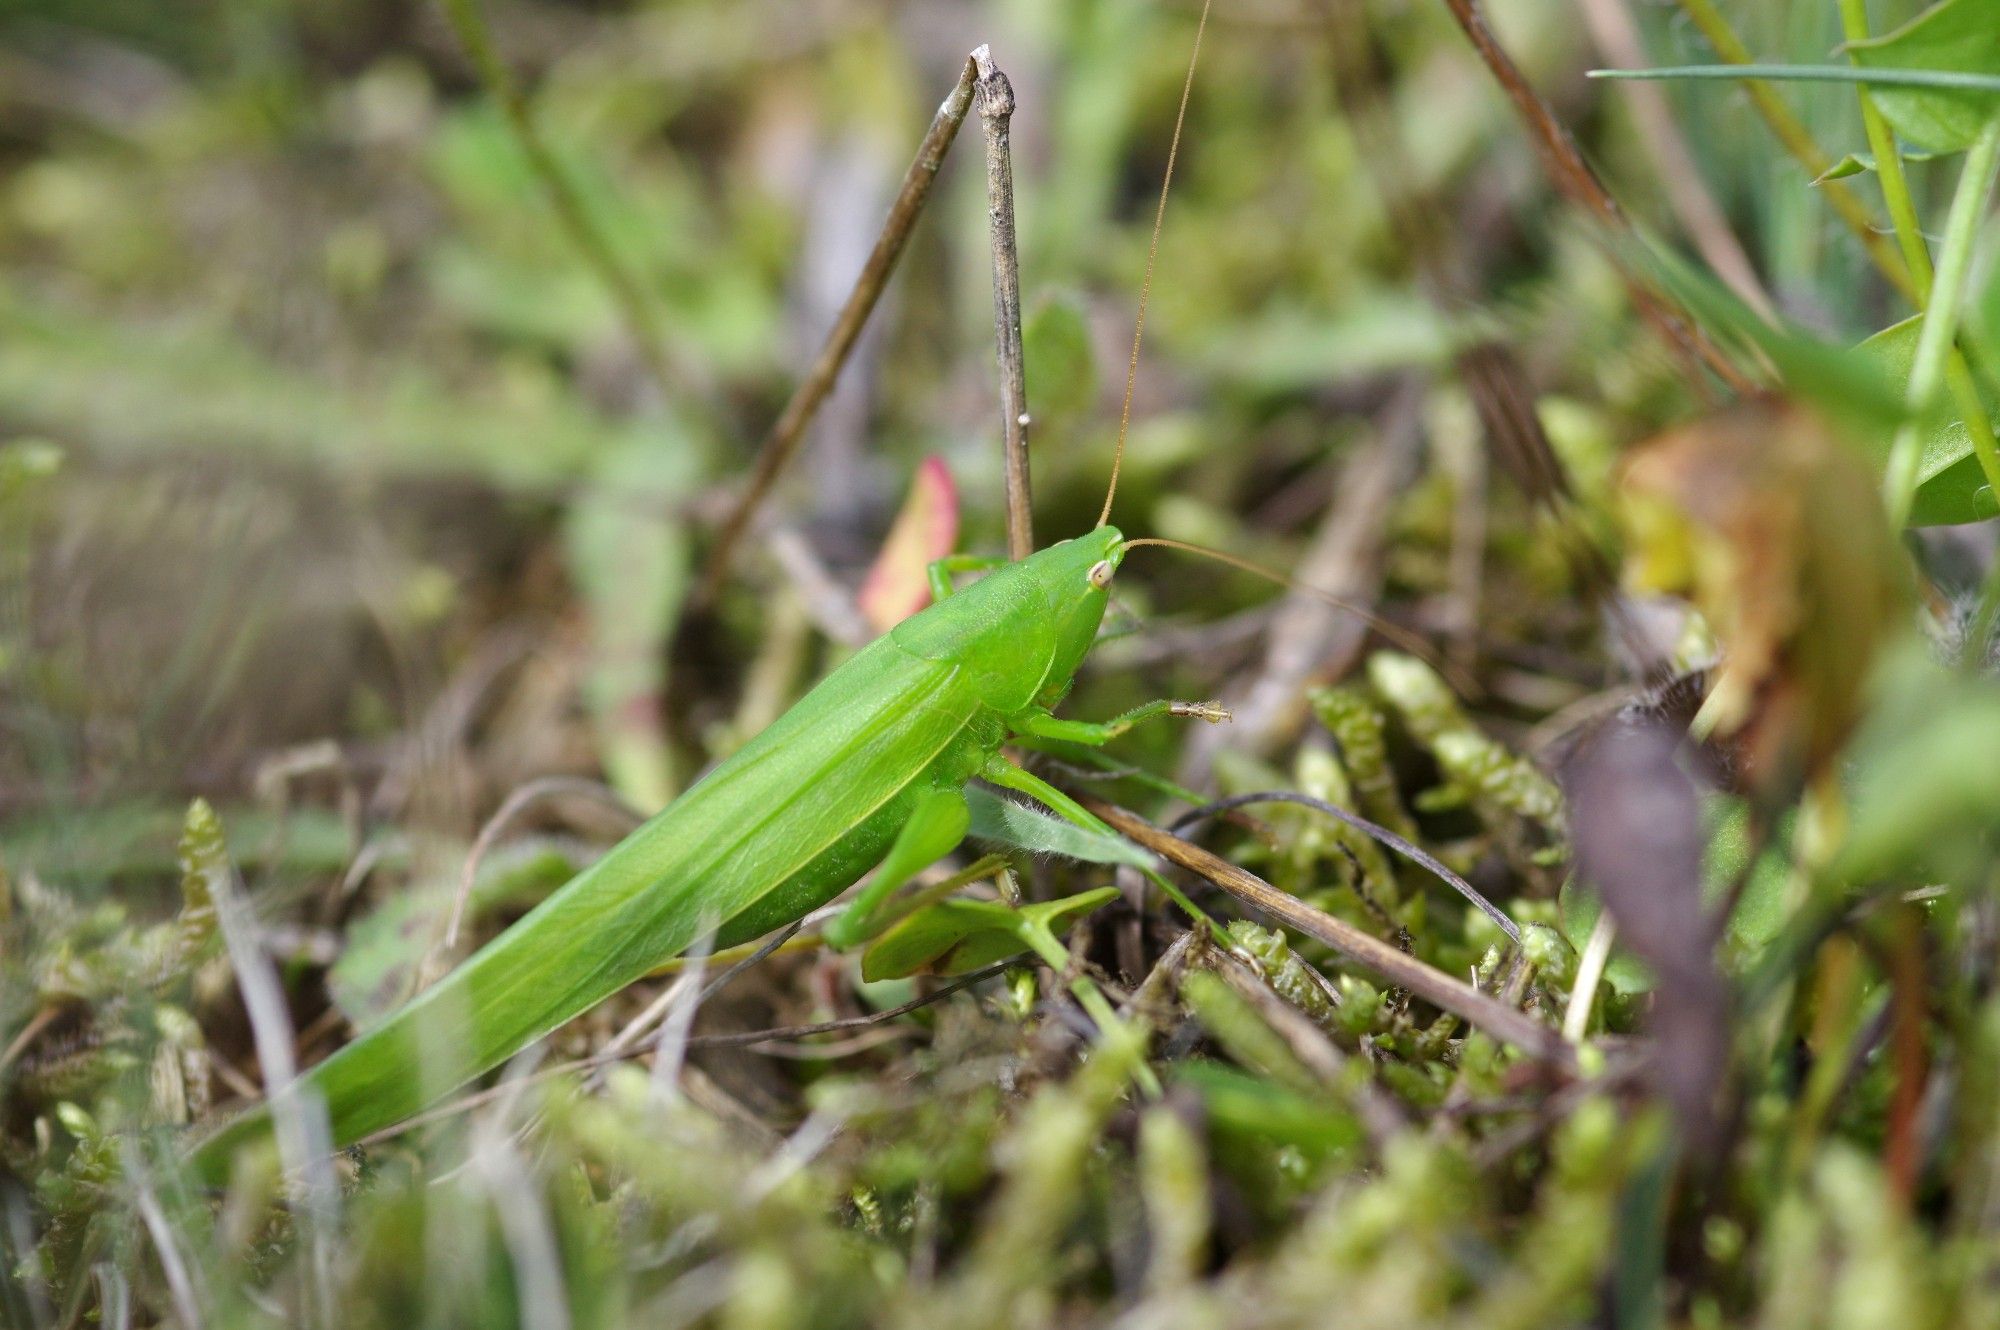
(1100, 574)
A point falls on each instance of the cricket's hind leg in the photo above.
(935, 827)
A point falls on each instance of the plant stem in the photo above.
(1888, 162)
(789, 431)
(1940, 325)
(1910, 236)
(1798, 141)
(996, 112)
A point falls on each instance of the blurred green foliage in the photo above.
(336, 487)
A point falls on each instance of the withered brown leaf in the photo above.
(1794, 567)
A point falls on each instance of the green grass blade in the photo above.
(1942, 79)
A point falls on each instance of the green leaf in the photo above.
(1950, 486)
(628, 553)
(985, 947)
(1862, 163)
(1018, 826)
(960, 936)
(1061, 364)
(918, 941)
(1924, 793)
(1960, 36)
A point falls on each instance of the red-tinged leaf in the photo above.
(924, 531)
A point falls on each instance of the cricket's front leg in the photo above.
(940, 571)
(1095, 734)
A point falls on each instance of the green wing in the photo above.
(748, 828)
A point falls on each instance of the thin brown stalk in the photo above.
(788, 432)
(996, 112)
(1616, 37)
(1496, 1018)
(1577, 182)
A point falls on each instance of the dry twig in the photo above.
(789, 431)
(1433, 986)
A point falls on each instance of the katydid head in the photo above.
(1023, 629)
(1075, 581)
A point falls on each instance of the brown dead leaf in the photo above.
(1794, 566)
(1635, 814)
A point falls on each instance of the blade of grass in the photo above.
(1946, 79)
(1798, 141)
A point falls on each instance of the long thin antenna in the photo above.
(1401, 636)
(1152, 253)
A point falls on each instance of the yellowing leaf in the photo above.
(1797, 571)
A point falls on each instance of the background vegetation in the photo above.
(354, 485)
